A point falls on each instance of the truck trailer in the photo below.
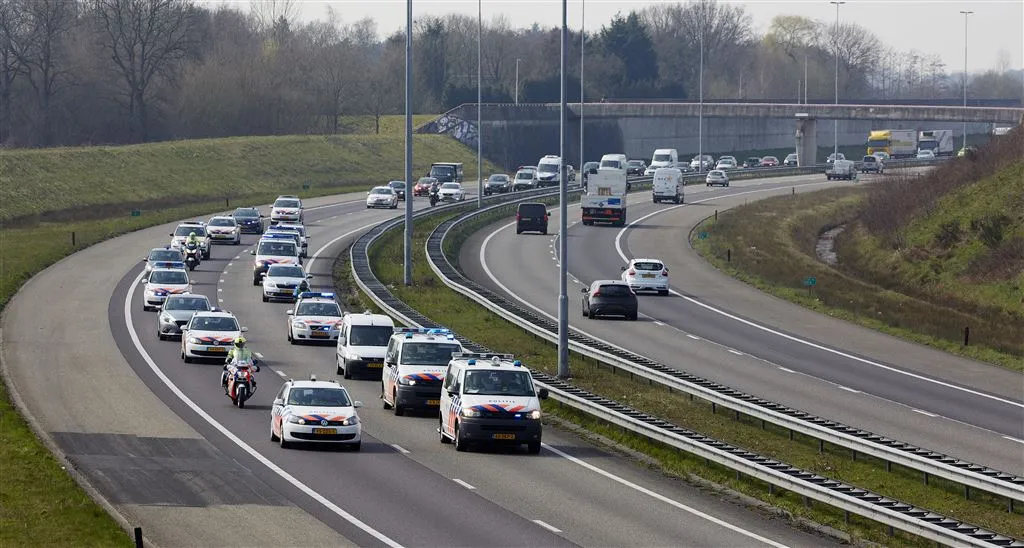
(897, 143)
(605, 200)
(939, 141)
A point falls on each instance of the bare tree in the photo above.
(145, 40)
(11, 26)
(793, 32)
(269, 13)
(857, 48)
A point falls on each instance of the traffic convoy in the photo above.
(479, 399)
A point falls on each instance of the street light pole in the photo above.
(407, 270)
(583, 42)
(835, 38)
(700, 106)
(517, 79)
(479, 104)
(563, 229)
(965, 13)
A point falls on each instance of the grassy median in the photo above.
(431, 297)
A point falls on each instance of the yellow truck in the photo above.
(897, 143)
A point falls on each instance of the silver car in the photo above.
(717, 177)
(177, 311)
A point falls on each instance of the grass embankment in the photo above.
(392, 124)
(443, 305)
(954, 262)
(46, 194)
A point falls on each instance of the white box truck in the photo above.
(939, 141)
(667, 185)
(605, 200)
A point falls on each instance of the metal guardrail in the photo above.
(884, 510)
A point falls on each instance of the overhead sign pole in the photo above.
(563, 229)
(407, 276)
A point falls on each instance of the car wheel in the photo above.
(399, 411)
(265, 299)
(460, 444)
(160, 336)
(284, 444)
(339, 369)
(186, 358)
(255, 280)
(632, 317)
(533, 447)
(663, 292)
(382, 400)
(356, 446)
(273, 436)
(440, 432)
(346, 372)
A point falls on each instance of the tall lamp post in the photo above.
(583, 42)
(700, 93)
(517, 79)
(965, 13)
(407, 274)
(479, 104)
(563, 229)
(835, 37)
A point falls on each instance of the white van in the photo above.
(490, 399)
(414, 367)
(664, 157)
(667, 185)
(614, 161)
(362, 340)
(547, 171)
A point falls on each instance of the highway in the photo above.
(186, 462)
(727, 331)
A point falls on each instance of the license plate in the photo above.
(504, 436)
(375, 365)
(216, 349)
(318, 334)
(648, 275)
(527, 219)
(433, 402)
(324, 431)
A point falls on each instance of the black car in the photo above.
(498, 182)
(399, 188)
(532, 217)
(609, 298)
(636, 167)
(753, 161)
(249, 220)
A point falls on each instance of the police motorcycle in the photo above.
(434, 194)
(193, 255)
(239, 380)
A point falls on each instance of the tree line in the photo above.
(78, 72)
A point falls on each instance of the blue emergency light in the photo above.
(278, 236)
(315, 295)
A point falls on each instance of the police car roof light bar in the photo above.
(482, 356)
(315, 295)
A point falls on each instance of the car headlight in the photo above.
(166, 318)
(469, 413)
(351, 421)
(406, 382)
(270, 284)
(193, 340)
(299, 325)
(534, 415)
(296, 420)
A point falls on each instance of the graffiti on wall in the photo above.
(460, 129)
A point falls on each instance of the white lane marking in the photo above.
(235, 439)
(694, 337)
(925, 413)
(737, 352)
(400, 449)
(622, 255)
(219, 289)
(332, 205)
(464, 484)
(854, 390)
(258, 355)
(239, 256)
(663, 498)
(229, 265)
(316, 255)
(547, 526)
(220, 300)
(1013, 439)
(221, 280)
(656, 322)
(282, 373)
(786, 369)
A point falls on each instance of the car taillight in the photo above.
(631, 272)
(518, 216)
(545, 217)
(596, 294)
(664, 272)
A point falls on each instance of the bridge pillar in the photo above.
(806, 140)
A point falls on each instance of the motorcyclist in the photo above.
(300, 289)
(192, 244)
(238, 354)
(435, 188)
(192, 239)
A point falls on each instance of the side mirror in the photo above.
(256, 368)
(542, 393)
(308, 238)
(245, 329)
(290, 312)
(252, 252)
(583, 290)
(309, 276)
(144, 259)
(622, 268)
(357, 404)
(341, 340)
(278, 401)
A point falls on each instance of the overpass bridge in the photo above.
(519, 134)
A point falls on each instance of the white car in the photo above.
(382, 196)
(316, 317)
(182, 231)
(646, 275)
(162, 282)
(451, 192)
(315, 411)
(281, 280)
(278, 248)
(209, 335)
(286, 208)
(297, 229)
(163, 257)
(726, 163)
(925, 154)
(717, 177)
(224, 228)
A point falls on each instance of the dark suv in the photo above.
(532, 217)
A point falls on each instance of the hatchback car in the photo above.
(177, 311)
(646, 275)
(769, 161)
(381, 196)
(281, 280)
(925, 154)
(792, 160)
(753, 161)
(532, 218)
(315, 412)
(525, 179)
(635, 167)
(872, 164)
(224, 228)
(422, 187)
(725, 163)
(249, 220)
(717, 177)
(399, 188)
(451, 192)
(609, 298)
(498, 182)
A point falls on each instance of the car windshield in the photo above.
(770, 159)
(498, 178)
(547, 168)
(185, 230)
(532, 210)
(716, 173)
(451, 186)
(165, 255)
(319, 397)
(288, 228)
(870, 159)
(286, 203)
(318, 309)
(635, 163)
(611, 163)
(396, 184)
(382, 190)
(222, 221)
(370, 335)
(279, 248)
(445, 172)
(662, 157)
(791, 157)
(248, 213)
(214, 323)
(614, 290)
(168, 277)
(591, 165)
(498, 383)
(426, 180)
(187, 303)
(285, 271)
(524, 175)
(648, 265)
(423, 353)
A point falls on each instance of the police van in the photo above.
(490, 399)
(414, 366)
(362, 340)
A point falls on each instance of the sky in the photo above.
(929, 26)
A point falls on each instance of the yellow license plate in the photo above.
(324, 430)
(216, 349)
(375, 365)
(648, 275)
(319, 334)
(433, 402)
(504, 436)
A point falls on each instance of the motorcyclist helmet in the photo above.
(192, 234)
(240, 342)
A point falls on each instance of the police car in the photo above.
(275, 231)
(224, 228)
(281, 280)
(362, 342)
(286, 208)
(490, 399)
(273, 249)
(298, 229)
(316, 317)
(163, 257)
(209, 335)
(181, 233)
(161, 283)
(315, 411)
(414, 366)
